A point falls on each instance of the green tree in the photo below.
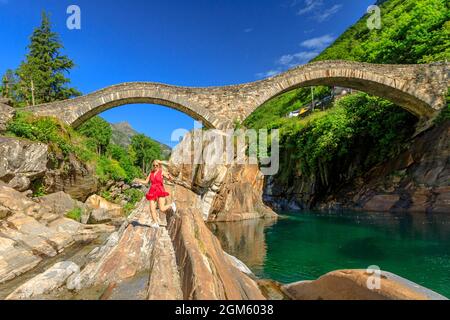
(42, 75)
(99, 131)
(146, 150)
(126, 159)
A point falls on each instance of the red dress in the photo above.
(157, 188)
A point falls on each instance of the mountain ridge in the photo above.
(123, 132)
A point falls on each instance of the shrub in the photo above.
(75, 214)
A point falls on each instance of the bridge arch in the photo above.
(420, 89)
(80, 109)
(404, 85)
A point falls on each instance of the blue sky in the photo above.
(192, 43)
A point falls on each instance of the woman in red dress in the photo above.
(157, 194)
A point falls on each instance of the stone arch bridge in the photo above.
(420, 89)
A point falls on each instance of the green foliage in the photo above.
(359, 125)
(99, 131)
(38, 189)
(278, 107)
(107, 169)
(412, 32)
(42, 129)
(115, 164)
(126, 159)
(146, 150)
(75, 214)
(44, 69)
(107, 196)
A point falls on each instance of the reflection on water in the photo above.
(309, 244)
(244, 240)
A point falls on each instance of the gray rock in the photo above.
(15, 259)
(46, 282)
(6, 114)
(21, 161)
(61, 203)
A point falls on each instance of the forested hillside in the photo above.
(329, 148)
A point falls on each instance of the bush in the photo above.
(109, 169)
(42, 129)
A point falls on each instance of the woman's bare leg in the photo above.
(153, 211)
(162, 205)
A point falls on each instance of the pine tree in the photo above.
(42, 74)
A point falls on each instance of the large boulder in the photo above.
(14, 202)
(104, 211)
(6, 114)
(185, 261)
(228, 191)
(359, 285)
(30, 226)
(52, 279)
(60, 204)
(126, 253)
(206, 272)
(71, 176)
(15, 259)
(21, 162)
(240, 196)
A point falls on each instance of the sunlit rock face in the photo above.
(228, 191)
(71, 176)
(104, 211)
(206, 271)
(184, 261)
(359, 285)
(32, 230)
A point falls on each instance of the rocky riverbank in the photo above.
(46, 254)
(415, 181)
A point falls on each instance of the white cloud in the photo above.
(292, 60)
(317, 10)
(269, 73)
(322, 16)
(318, 43)
(309, 6)
(248, 30)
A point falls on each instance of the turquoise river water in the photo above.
(306, 245)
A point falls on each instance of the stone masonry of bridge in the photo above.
(420, 89)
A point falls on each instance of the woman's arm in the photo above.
(142, 181)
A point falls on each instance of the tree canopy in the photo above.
(41, 77)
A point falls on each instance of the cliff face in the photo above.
(27, 165)
(227, 192)
(415, 181)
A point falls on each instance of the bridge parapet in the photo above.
(420, 89)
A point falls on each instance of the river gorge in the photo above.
(306, 245)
